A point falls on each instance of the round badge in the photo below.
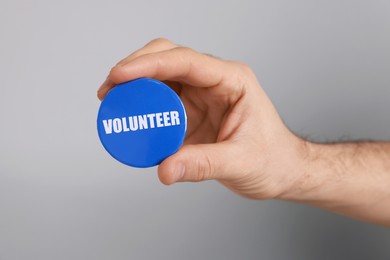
(141, 122)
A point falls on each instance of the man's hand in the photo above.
(236, 136)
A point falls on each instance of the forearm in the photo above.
(352, 179)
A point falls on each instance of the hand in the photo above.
(234, 133)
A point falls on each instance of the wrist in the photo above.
(310, 173)
(348, 178)
(290, 165)
(335, 176)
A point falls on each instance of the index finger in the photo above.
(156, 45)
(177, 64)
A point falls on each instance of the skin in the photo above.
(236, 136)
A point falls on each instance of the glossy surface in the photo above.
(141, 122)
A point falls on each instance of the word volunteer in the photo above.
(141, 122)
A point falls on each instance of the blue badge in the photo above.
(141, 122)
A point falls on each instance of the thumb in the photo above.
(198, 162)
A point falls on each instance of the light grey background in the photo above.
(325, 65)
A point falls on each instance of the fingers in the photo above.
(162, 62)
(105, 87)
(155, 45)
(198, 163)
(177, 64)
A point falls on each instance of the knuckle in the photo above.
(160, 41)
(242, 74)
(243, 67)
(116, 73)
(205, 168)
